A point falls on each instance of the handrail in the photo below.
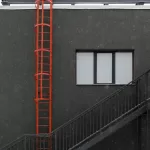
(13, 142)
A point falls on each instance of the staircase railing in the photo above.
(95, 119)
(29, 142)
(19, 143)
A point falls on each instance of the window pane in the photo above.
(123, 68)
(84, 68)
(104, 68)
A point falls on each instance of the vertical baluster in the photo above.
(128, 103)
(98, 117)
(80, 130)
(66, 138)
(83, 125)
(109, 109)
(63, 138)
(126, 100)
(44, 141)
(118, 106)
(112, 111)
(101, 115)
(73, 132)
(124, 97)
(138, 92)
(55, 139)
(96, 120)
(146, 87)
(104, 111)
(87, 123)
(76, 131)
(92, 115)
(28, 143)
(59, 140)
(70, 135)
(25, 143)
(90, 122)
(115, 107)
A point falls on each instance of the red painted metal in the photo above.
(43, 75)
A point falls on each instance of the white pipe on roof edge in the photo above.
(79, 6)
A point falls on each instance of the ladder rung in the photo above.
(44, 16)
(44, 79)
(39, 73)
(42, 73)
(45, 71)
(43, 117)
(43, 64)
(43, 91)
(43, 125)
(44, 102)
(44, 32)
(41, 99)
(44, 56)
(43, 110)
(42, 133)
(43, 40)
(44, 87)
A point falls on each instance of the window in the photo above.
(85, 68)
(123, 65)
(104, 67)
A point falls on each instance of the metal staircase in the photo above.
(97, 122)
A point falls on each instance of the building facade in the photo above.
(114, 37)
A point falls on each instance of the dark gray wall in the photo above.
(93, 29)
(73, 29)
(16, 74)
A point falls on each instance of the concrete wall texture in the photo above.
(72, 29)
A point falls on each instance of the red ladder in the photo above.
(43, 75)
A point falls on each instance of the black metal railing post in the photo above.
(55, 141)
(25, 142)
(147, 110)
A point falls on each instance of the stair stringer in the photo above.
(110, 129)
